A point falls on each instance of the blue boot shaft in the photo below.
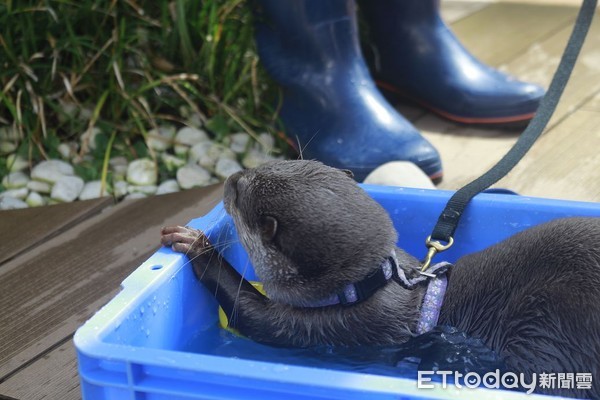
(331, 105)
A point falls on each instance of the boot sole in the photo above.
(436, 176)
(510, 122)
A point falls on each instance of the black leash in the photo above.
(450, 217)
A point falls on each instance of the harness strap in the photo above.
(449, 219)
(356, 292)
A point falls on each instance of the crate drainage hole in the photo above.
(156, 267)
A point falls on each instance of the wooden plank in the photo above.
(453, 11)
(52, 377)
(564, 163)
(500, 32)
(574, 3)
(23, 229)
(539, 63)
(593, 104)
(468, 152)
(50, 291)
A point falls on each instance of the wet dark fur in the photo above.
(310, 230)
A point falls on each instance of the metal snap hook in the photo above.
(434, 247)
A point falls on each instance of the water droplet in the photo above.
(154, 309)
(142, 310)
(147, 332)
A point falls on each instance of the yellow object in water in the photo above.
(224, 321)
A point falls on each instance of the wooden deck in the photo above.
(59, 264)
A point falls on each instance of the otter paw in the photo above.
(183, 239)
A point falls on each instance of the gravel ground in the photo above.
(189, 154)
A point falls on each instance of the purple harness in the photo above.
(432, 301)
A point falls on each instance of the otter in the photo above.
(311, 232)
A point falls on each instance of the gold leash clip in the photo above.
(433, 247)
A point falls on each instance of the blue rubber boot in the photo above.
(420, 59)
(331, 106)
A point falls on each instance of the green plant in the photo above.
(126, 66)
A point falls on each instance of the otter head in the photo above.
(309, 229)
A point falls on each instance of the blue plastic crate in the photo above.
(134, 347)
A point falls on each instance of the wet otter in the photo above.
(310, 231)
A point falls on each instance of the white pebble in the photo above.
(187, 137)
(190, 136)
(67, 189)
(39, 186)
(172, 162)
(35, 199)
(206, 154)
(146, 189)
(255, 158)
(51, 171)
(119, 174)
(78, 159)
(195, 120)
(399, 173)
(226, 167)
(133, 196)
(168, 186)
(7, 147)
(119, 161)
(181, 150)
(239, 142)
(15, 180)
(16, 163)
(92, 190)
(267, 142)
(89, 137)
(192, 175)
(119, 166)
(120, 189)
(67, 150)
(9, 133)
(226, 152)
(20, 193)
(162, 138)
(11, 203)
(142, 172)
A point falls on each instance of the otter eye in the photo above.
(348, 172)
(268, 227)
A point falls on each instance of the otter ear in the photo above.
(268, 227)
(348, 172)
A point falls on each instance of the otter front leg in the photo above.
(247, 310)
(230, 289)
